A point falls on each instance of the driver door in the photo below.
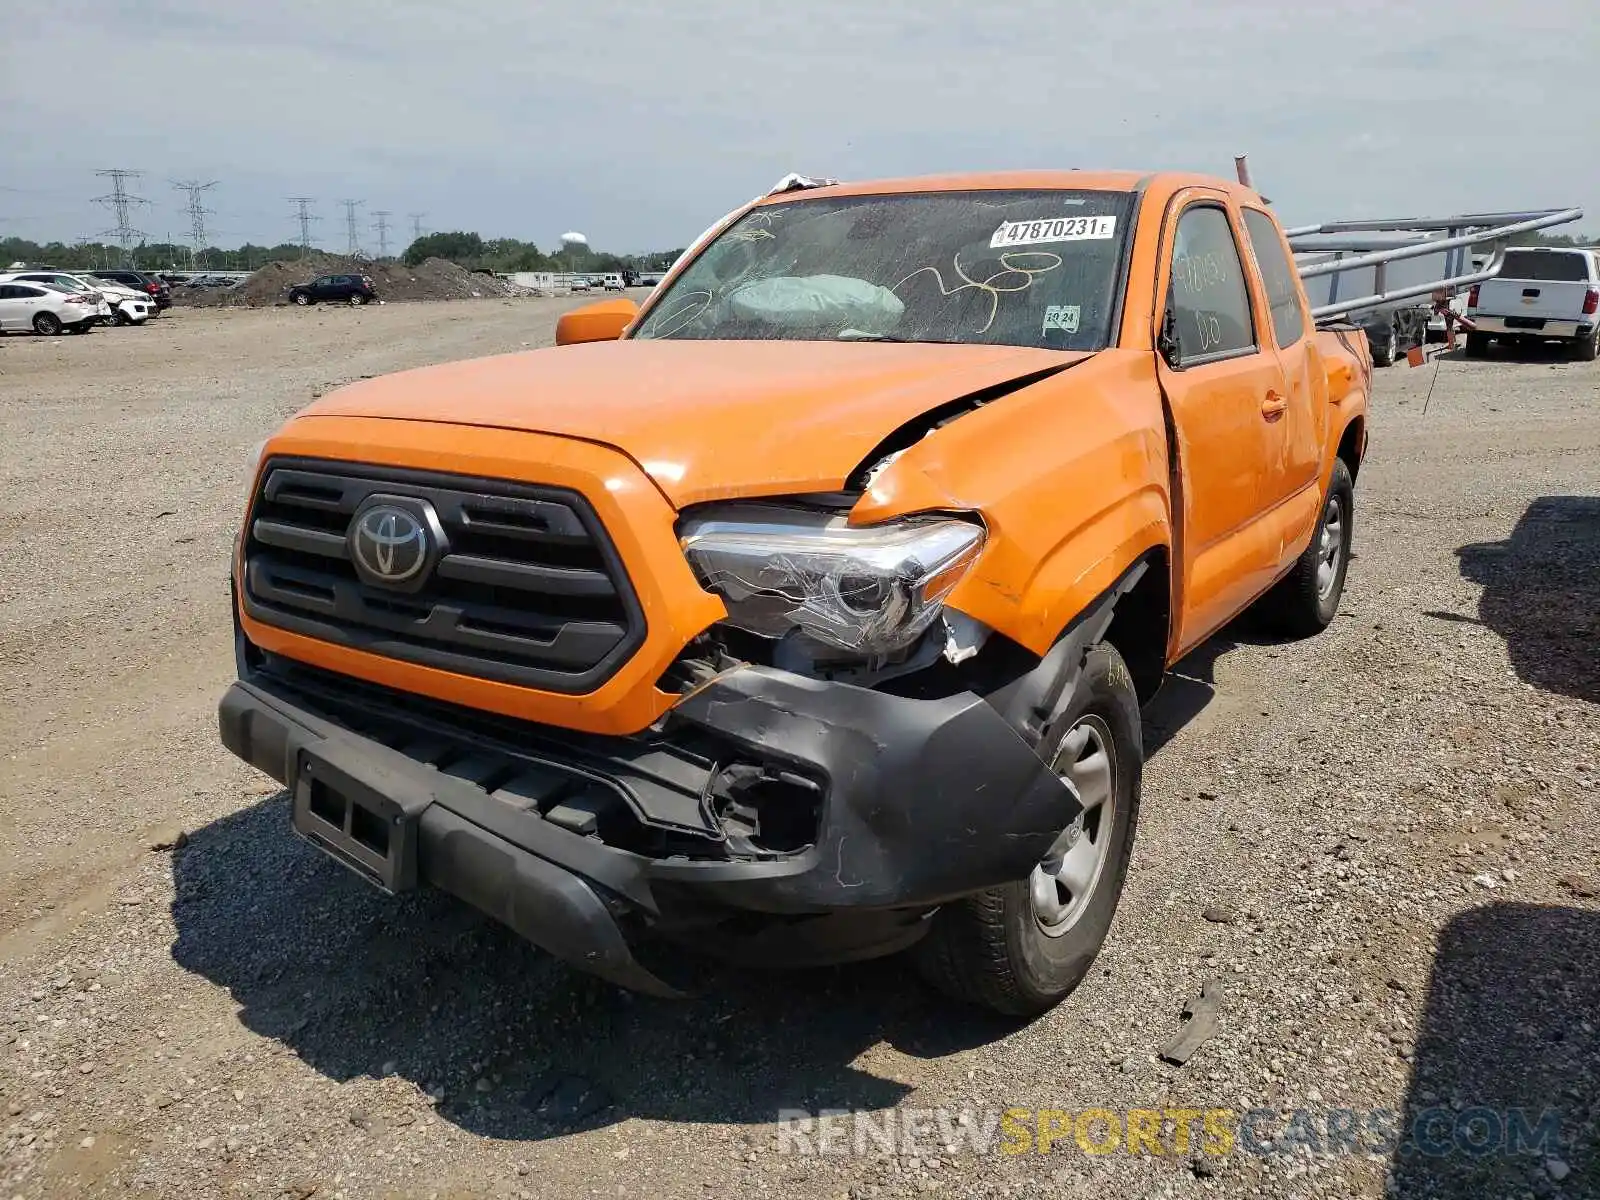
(1225, 387)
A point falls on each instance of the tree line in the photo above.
(469, 250)
(472, 251)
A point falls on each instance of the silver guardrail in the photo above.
(1464, 230)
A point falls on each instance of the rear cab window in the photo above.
(1547, 266)
(1210, 301)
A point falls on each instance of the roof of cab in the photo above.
(1106, 181)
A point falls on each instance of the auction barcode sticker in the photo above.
(1053, 229)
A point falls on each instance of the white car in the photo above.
(128, 307)
(46, 309)
(66, 283)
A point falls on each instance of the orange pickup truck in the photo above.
(805, 614)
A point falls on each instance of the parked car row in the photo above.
(49, 301)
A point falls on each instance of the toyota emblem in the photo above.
(390, 544)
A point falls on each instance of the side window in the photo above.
(7, 292)
(1210, 302)
(1288, 319)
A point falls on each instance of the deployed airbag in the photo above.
(817, 302)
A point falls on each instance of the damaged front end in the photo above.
(770, 817)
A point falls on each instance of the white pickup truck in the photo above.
(1540, 293)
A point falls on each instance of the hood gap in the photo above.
(908, 434)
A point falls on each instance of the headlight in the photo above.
(869, 590)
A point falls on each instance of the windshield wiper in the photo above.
(858, 335)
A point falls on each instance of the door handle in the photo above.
(1272, 405)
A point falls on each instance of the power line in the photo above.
(416, 225)
(303, 212)
(121, 201)
(382, 226)
(350, 206)
(197, 218)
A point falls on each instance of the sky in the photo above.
(641, 124)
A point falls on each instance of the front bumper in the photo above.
(921, 801)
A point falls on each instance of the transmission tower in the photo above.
(382, 226)
(416, 225)
(197, 218)
(121, 201)
(350, 206)
(303, 214)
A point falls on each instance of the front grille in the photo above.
(527, 587)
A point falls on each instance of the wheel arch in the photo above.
(1132, 615)
(1353, 444)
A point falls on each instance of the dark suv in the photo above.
(352, 289)
(157, 289)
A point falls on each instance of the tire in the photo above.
(1001, 949)
(357, 299)
(1477, 345)
(300, 298)
(1587, 349)
(1384, 353)
(46, 324)
(1305, 600)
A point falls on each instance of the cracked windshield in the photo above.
(1023, 268)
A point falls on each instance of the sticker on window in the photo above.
(1061, 316)
(1053, 229)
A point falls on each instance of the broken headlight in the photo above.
(869, 590)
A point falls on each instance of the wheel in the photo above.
(1386, 351)
(357, 299)
(1305, 600)
(47, 324)
(1477, 345)
(301, 299)
(1020, 948)
(1588, 349)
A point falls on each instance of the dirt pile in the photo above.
(433, 279)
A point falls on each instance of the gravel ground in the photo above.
(1381, 843)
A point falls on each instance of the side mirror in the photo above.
(602, 322)
(1167, 336)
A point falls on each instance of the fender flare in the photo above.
(1032, 702)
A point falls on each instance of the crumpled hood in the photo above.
(706, 420)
